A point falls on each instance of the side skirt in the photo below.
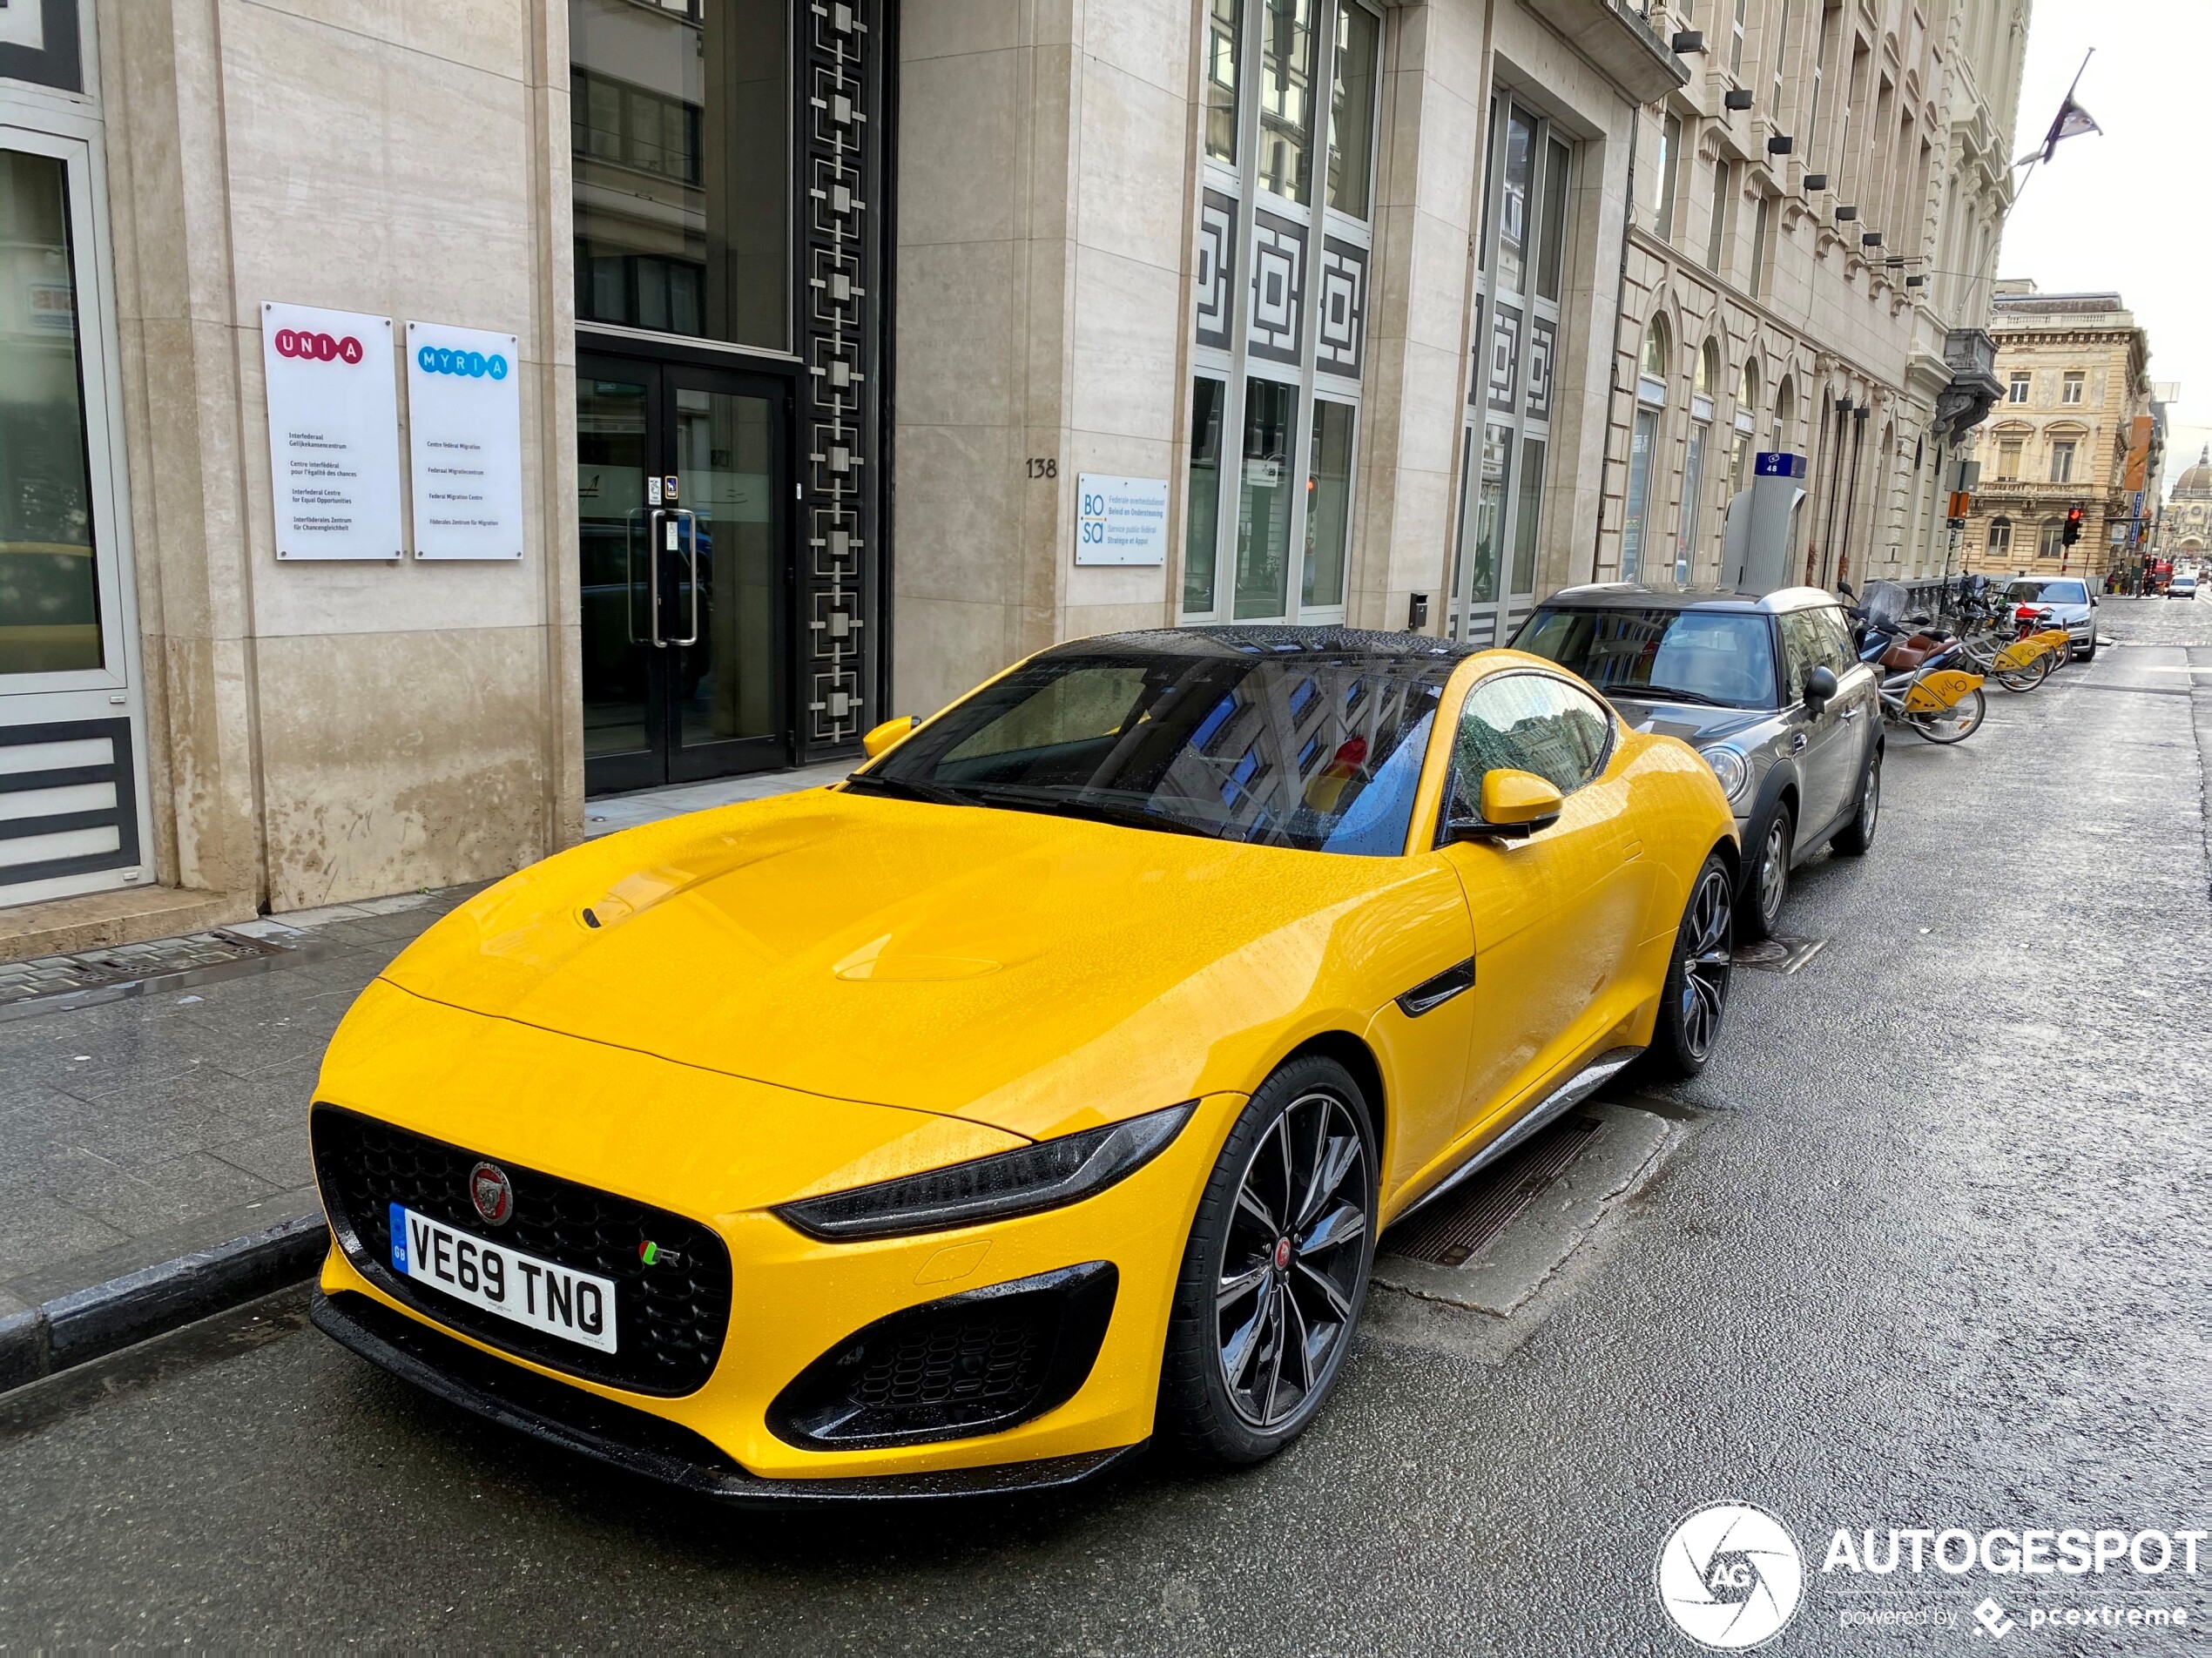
(1549, 1110)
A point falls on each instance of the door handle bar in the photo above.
(689, 528)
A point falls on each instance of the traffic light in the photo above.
(2072, 526)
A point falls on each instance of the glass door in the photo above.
(69, 746)
(682, 474)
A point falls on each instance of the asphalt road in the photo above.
(1932, 1251)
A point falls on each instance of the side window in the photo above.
(1842, 657)
(1526, 722)
(1802, 649)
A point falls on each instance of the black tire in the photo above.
(2089, 653)
(1856, 837)
(1765, 887)
(1694, 1001)
(1311, 1112)
(1956, 724)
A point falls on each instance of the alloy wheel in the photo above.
(1869, 804)
(1292, 1259)
(1707, 962)
(1774, 871)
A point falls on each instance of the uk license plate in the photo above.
(545, 1296)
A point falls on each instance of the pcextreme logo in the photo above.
(1731, 1576)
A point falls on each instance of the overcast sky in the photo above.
(2130, 208)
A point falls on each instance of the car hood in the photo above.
(1696, 724)
(1040, 974)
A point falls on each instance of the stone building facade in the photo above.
(2185, 525)
(831, 326)
(1818, 217)
(2075, 369)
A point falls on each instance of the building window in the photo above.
(1224, 31)
(1736, 41)
(2052, 544)
(2070, 389)
(1761, 229)
(2000, 538)
(1706, 382)
(1506, 428)
(2020, 381)
(2062, 460)
(2008, 458)
(1781, 51)
(1279, 323)
(1643, 446)
(1819, 75)
(1663, 221)
(1717, 232)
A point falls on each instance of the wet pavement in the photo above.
(1926, 1249)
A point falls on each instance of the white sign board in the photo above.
(464, 426)
(334, 433)
(1121, 521)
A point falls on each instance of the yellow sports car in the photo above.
(1040, 1089)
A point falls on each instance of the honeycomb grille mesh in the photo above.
(980, 1360)
(670, 1318)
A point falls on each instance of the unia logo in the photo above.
(1731, 1576)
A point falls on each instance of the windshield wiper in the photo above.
(900, 789)
(1668, 694)
(1061, 805)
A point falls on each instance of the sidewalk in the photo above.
(171, 1118)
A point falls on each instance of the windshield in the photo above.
(1726, 657)
(2059, 592)
(1320, 752)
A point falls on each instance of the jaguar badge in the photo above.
(489, 1191)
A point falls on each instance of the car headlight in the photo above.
(1731, 768)
(991, 1189)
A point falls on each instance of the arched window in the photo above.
(1747, 391)
(1709, 370)
(2000, 538)
(1785, 413)
(1747, 429)
(1700, 444)
(1643, 446)
(1654, 351)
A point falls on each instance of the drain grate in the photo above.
(1777, 954)
(1454, 1230)
(124, 964)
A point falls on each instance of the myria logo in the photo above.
(318, 348)
(474, 365)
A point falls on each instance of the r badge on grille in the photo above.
(489, 1191)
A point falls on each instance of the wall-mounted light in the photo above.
(1872, 238)
(1844, 215)
(1689, 40)
(1916, 282)
(1816, 181)
(1736, 98)
(1780, 146)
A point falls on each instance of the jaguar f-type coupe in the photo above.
(1040, 1088)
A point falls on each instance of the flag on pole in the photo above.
(2071, 122)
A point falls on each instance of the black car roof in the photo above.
(1334, 644)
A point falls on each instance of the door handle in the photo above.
(1797, 742)
(653, 572)
(689, 523)
(1848, 714)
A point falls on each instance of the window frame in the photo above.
(1236, 364)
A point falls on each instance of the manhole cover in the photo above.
(122, 964)
(1778, 954)
(1454, 1230)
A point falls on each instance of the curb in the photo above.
(90, 1323)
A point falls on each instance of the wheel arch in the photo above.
(1352, 1053)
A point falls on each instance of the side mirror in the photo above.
(1820, 688)
(1844, 588)
(1515, 805)
(888, 735)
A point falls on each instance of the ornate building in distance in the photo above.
(2185, 528)
(1815, 232)
(2075, 429)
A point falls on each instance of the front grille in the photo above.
(670, 1318)
(971, 1363)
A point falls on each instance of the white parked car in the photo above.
(2072, 606)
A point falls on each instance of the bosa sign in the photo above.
(317, 348)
